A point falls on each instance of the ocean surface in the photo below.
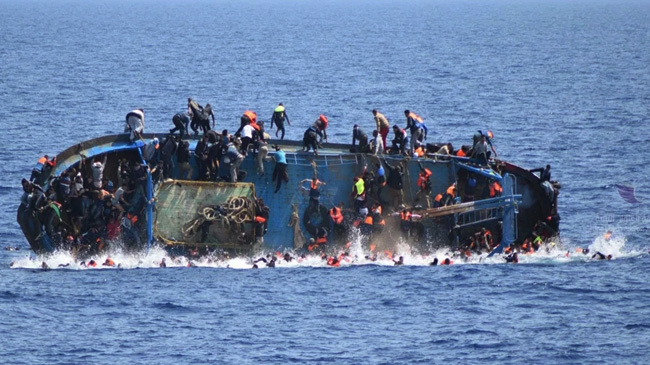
(559, 82)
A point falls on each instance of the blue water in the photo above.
(559, 82)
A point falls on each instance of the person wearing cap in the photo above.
(359, 135)
(278, 118)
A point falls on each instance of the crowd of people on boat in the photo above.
(81, 209)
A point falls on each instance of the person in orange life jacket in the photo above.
(366, 224)
(359, 135)
(447, 261)
(314, 189)
(261, 220)
(495, 189)
(278, 118)
(406, 221)
(382, 126)
(415, 124)
(310, 138)
(377, 219)
(424, 183)
(321, 125)
(450, 195)
(437, 201)
(487, 236)
(247, 131)
(336, 213)
(418, 149)
(400, 142)
(280, 172)
(44, 164)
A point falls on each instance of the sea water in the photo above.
(557, 82)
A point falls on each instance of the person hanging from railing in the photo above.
(424, 183)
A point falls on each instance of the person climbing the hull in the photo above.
(310, 138)
(424, 184)
(278, 118)
(181, 123)
(359, 135)
(280, 172)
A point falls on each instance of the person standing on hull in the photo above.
(278, 118)
(382, 125)
(359, 135)
(135, 124)
(415, 124)
(181, 123)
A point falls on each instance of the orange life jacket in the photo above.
(372, 247)
(368, 220)
(42, 160)
(388, 254)
(460, 153)
(132, 217)
(405, 216)
(314, 185)
(419, 151)
(109, 262)
(336, 215)
(259, 219)
(321, 240)
(450, 191)
(423, 177)
(438, 198)
(324, 121)
(415, 117)
(252, 116)
(495, 189)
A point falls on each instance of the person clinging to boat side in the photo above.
(319, 129)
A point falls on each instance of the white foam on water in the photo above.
(357, 256)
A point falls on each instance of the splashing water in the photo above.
(356, 255)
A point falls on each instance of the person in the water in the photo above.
(399, 262)
(600, 256)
